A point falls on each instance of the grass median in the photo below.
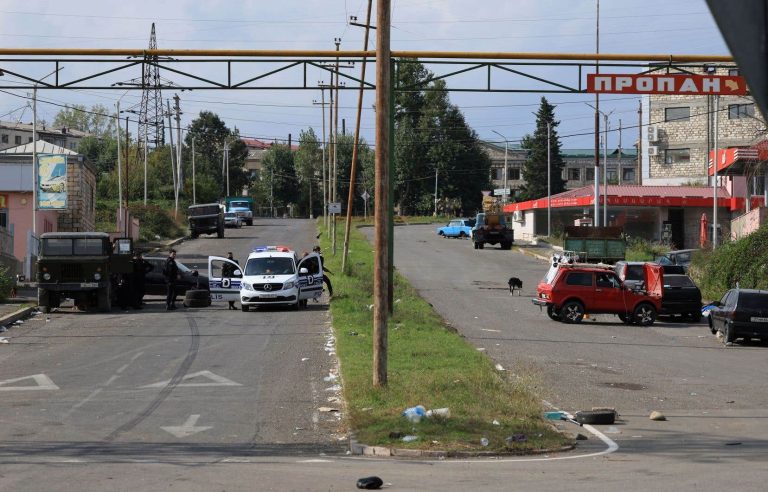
(429, 364)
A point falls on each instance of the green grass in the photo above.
(428, 364)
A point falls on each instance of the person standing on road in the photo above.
(140, 269)
(171, 273)
(228, 271)
(327, 281)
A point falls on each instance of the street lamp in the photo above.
(605, 172)
(34, 152)
(506, 151)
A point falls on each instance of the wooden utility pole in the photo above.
(335, 148)
(355, 146)
(381, 237)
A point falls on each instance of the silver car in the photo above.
(232, 220)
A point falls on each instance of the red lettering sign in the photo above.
(683, 84)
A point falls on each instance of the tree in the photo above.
(535, 167)
(432, 137)
(278, 178)
(102, 152)
(97, 121)
(308, 159)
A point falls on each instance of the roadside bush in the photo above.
(744, 262)
(6, 283)
(156, 221)
(639, 249)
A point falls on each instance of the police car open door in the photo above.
(224, 277)
(310, 283)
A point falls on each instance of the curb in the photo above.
(16, 315)
(531, 253)
(383, 451)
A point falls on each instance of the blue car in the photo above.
(460, 228)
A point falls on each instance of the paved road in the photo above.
(121, 382)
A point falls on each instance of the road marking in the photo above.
(83, 402)
(43, 383)
(217, 381)
(187, 429)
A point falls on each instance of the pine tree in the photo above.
(535, 167)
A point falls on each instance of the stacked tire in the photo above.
(197, 298)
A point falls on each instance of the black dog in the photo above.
(515, 283)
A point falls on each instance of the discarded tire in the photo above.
(370, 483)
(197, 298)
(596, 417)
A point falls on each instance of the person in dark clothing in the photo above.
(228, 271)
(140, 269)
(327, 281)
(124, 290)
(171, 273)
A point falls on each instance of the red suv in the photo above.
(570, 291)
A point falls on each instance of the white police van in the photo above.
(224, 288)
(273, 275)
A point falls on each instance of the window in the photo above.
(612, 176)
(89, 246)
(590, 174)
(677, 156)
(753, 300)
(574, 174)
(514, 173)
(737, 111)
(607, 280)
(499, 174)
(57, 246)
(4, 218)
(733, 72)
(628, 175)
(583, 279)
(29, 139)
(635, 272)
(677, 114)
(5, 138)
(270, 266)
(17, 139)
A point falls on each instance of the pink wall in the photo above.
(20, 215)
(748, 223)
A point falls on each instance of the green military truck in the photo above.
(206, 218)
(596, 244)
(80, 266)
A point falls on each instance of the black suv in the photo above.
(156, 284)
(741, 313)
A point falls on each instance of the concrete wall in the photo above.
(746, 224)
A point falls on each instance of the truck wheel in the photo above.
(572, 312)
(474, 245)
(645, 314)
(480, 245)
(104, 301)
(506, 245)
(220, 232)
(553, 313)
(43, 300)
(250, 222)
(195, 234)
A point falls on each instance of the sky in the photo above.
(553, 26)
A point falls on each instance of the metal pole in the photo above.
(194, 189)
(325, 145)
(436, 171)
(35, 176)
(618, 157)
(127, 187)
(173, 162)
(597, 123)
(179, 172)
(714, 171)
(335, 147)
(355, 145)
(549, 181)
(226, 166)
(382, 151)
(119, 168)
(605, 172)
(638, 164)
(145, 167)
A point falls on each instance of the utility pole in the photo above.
(119, 166)
(381, 267)
(325, 144)
(597, 123)
(337, 41)
(194, 190)
(639, 165)
(272, 194)
(549, 180)
(436, 171)
(714, 174)
(506, 151)
(226, 166)
(127, 187)
(35, 176)
(356, 144)
(179, 172)
(145, 168)
(618, 158)
(173, 164)
(605, 172)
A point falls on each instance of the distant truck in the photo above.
(596, 244)
(83, 266)
(242, 206)
(491, 227)
(207, 218)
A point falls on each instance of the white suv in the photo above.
(274, 275)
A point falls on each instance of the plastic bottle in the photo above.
(415, 414)
(484, 442)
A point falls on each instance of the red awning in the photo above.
(728, 157)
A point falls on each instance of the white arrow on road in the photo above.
(187, 429)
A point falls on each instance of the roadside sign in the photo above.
(501, 191)
(685, 84)
(365, 195)
(334, 208)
